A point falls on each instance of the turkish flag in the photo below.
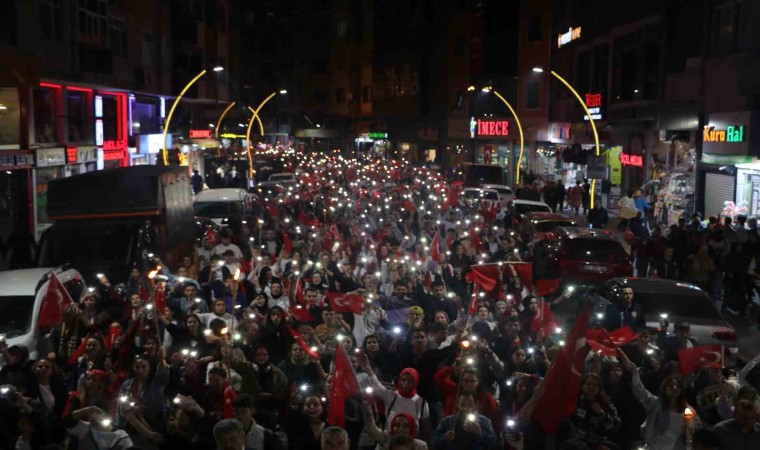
(435, 248)
(298, 291)
(287, 243)
(301, 313)
(229, 398)
(54, 305)
(409, 206)
(113, 332)
(479, 276)
(273, 210)
(475, 240)
(546, 287)
(563, 382)
(159, 297)
(603, 350)
(704, 357)
(343, 387)
(473, 308)
(144, 294)
(543, 318)
(623, 336)
(343, 303)
(302, 343)
(525, 273)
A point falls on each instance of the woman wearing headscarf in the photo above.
(401, 423)
(404, 399)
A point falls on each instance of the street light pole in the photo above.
(519, 126)
(261, 128)
(174, 106)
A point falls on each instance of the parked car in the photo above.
(538, 225)
(505, 192)
(20, 300)
(276, 184)
(581, 256)
(219, 205)
(480, 198)
(522, 207)
(680, 301)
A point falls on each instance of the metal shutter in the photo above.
(718, 189)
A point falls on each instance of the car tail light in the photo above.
(726, 335)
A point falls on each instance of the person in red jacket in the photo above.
(452, 379)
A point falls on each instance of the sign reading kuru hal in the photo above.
(730, 134)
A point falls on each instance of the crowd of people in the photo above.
(239, 344)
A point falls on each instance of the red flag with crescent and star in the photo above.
(435, 248)
(344, 386)
(345, 302)
(54, 305)
(703, 357)
(563, 382)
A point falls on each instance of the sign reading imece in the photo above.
(488, 128)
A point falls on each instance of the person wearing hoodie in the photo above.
(404, 399)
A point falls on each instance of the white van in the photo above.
(20, 300)
(220, 204)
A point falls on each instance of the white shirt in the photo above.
(219, 249)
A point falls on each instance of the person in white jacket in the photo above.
(403, 400)
(665, 428)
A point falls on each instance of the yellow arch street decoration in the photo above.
(171, 112)
(248, 132)
(590, 119)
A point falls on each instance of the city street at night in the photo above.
(365, 225)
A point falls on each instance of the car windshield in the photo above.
(524, 208)
(504, 191)
(680, 305)
(16, 314)
(546, 226)
(594, 250)
(215, 209)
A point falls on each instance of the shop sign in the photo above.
(47, 157)
(569, 36)
(114, 145)
(71, 154)
(112, 154)
(87, 154)
(153, 143)
(378, 135)
(10, 160)
(200, 134)
(627, 159)
(732, 133)
(488, 127)
(593, 103)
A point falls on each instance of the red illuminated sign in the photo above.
(112, 154)
(593, 100)
(71, 154)
(200, 134)
(492, 127)
(114, 145)
(631, 160)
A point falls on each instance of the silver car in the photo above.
(681, 302)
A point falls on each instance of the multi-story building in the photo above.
(87, 83)
(658, 78)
